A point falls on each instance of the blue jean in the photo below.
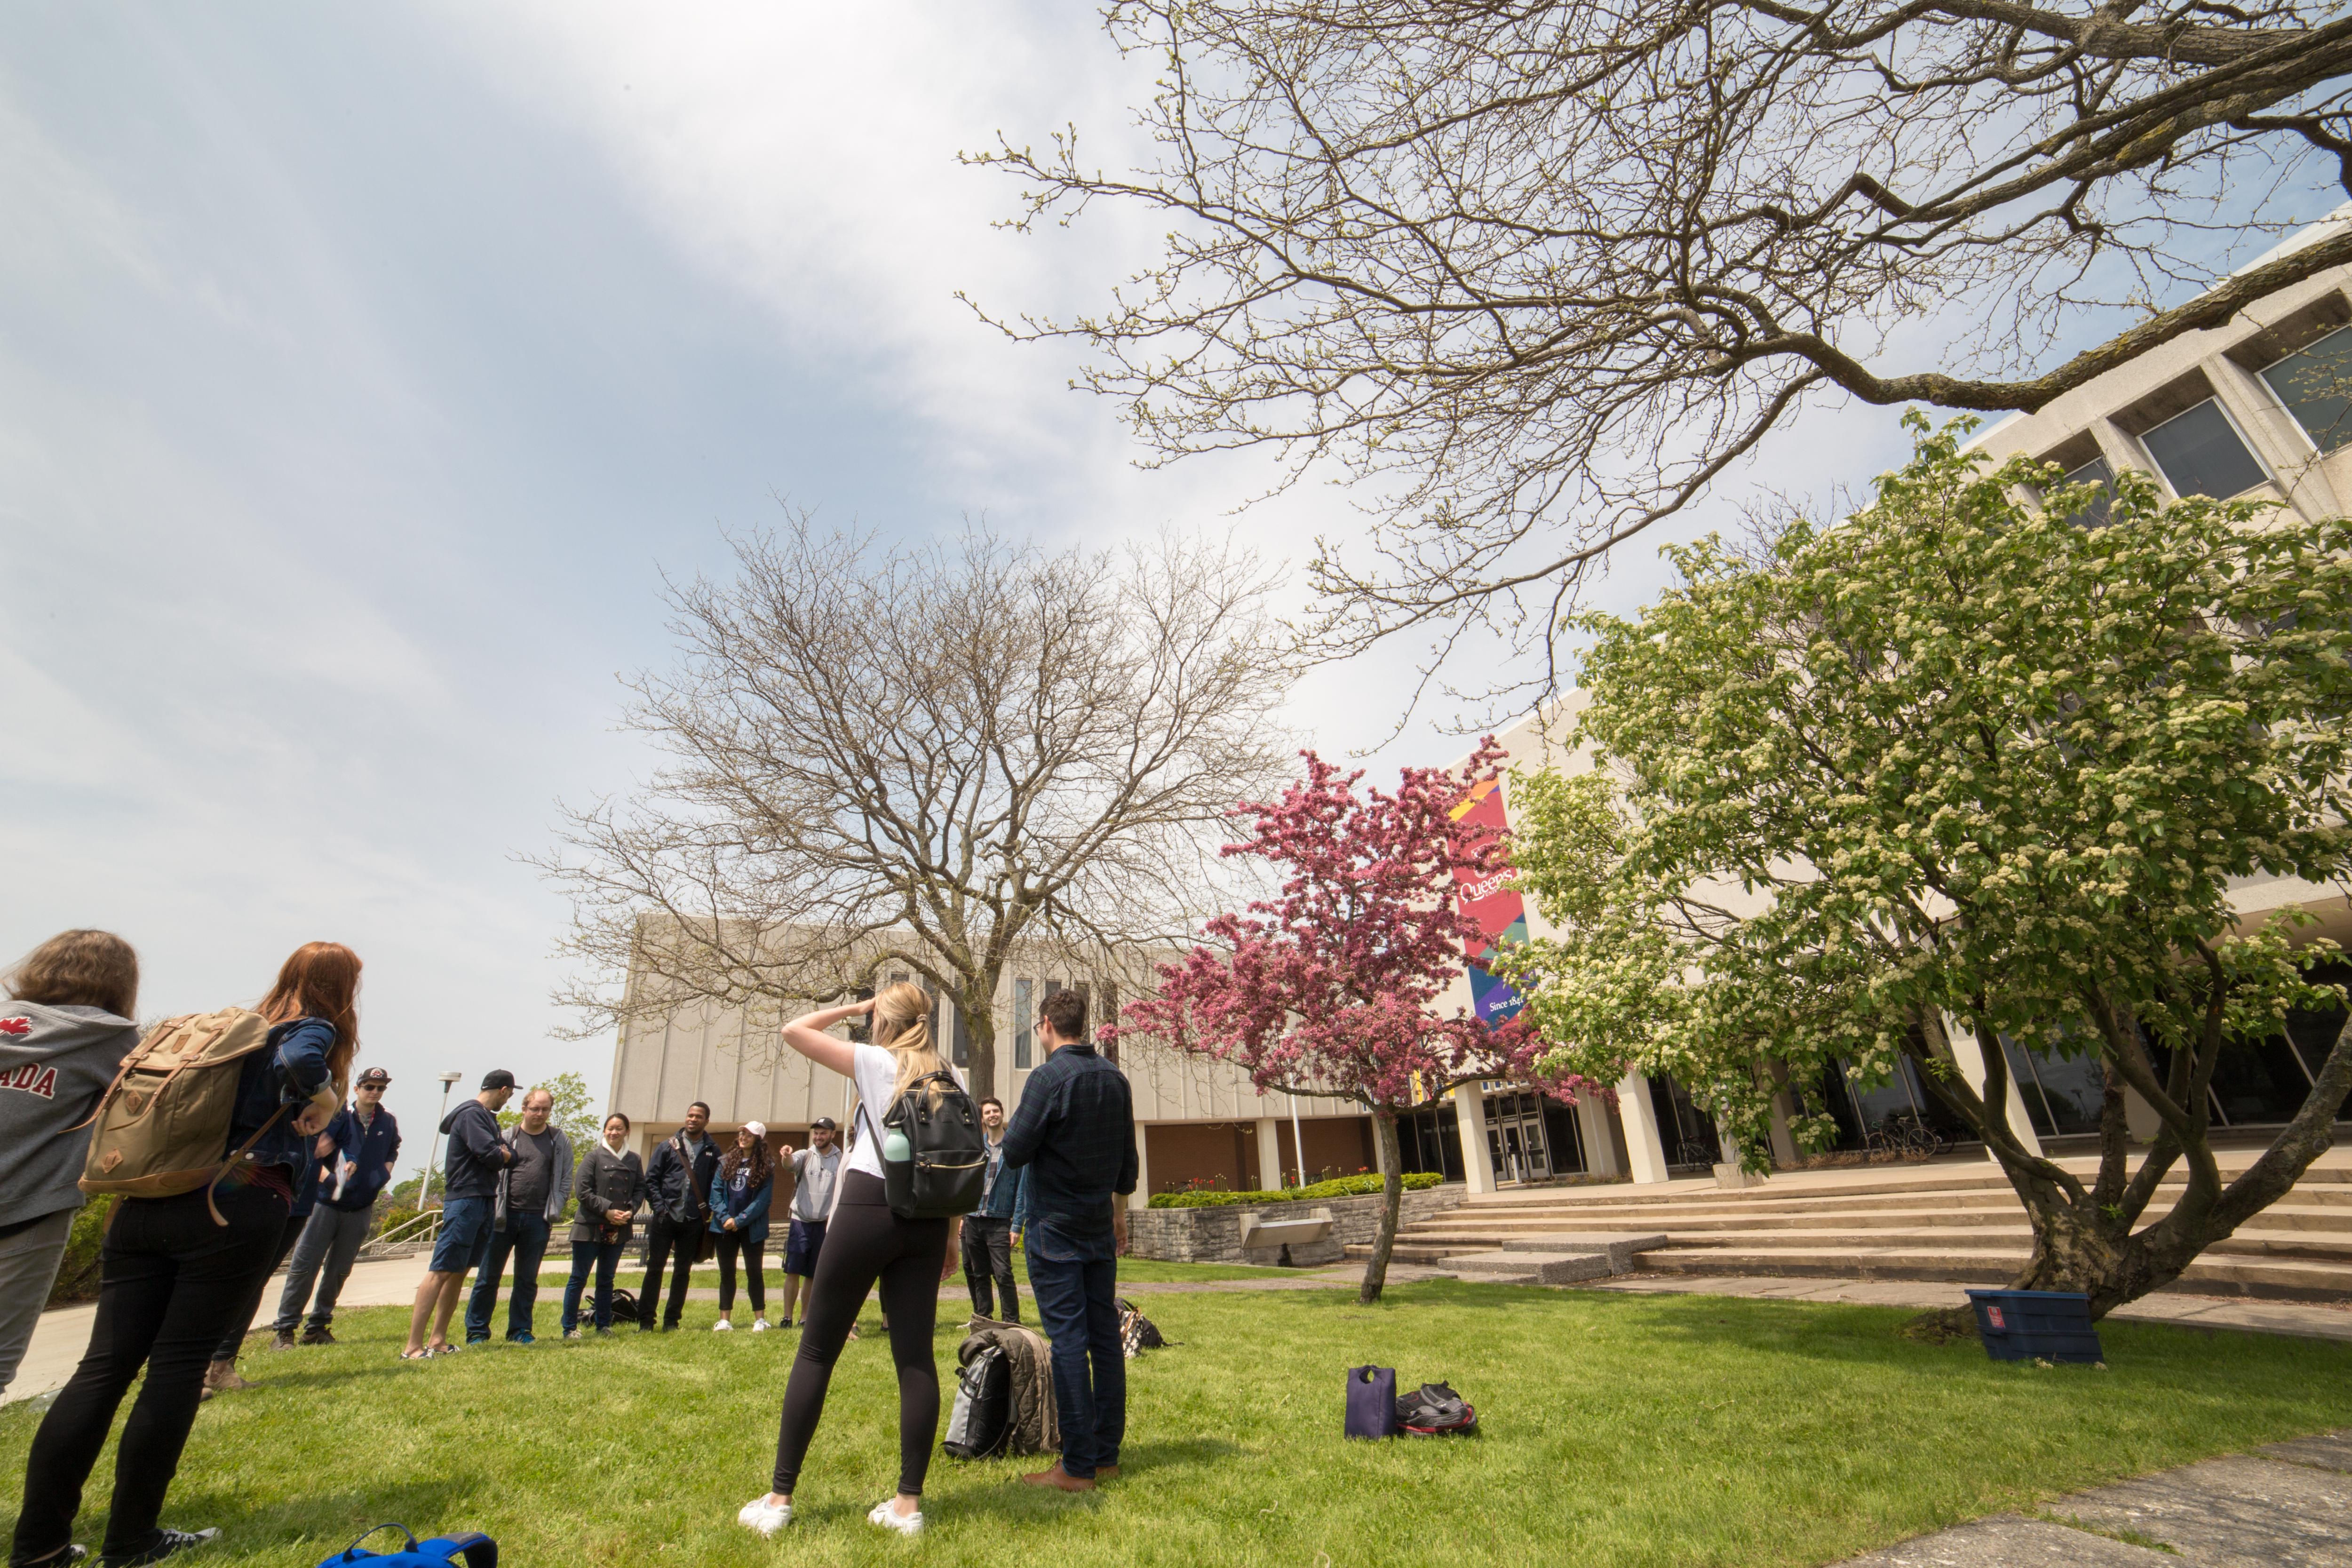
(606, 1257)
(1076, 1306)
(525, 1236)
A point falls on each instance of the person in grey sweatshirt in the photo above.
(64, 1032)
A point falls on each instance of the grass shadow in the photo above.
(321, 1524)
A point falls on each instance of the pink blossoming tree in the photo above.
(1327, 990)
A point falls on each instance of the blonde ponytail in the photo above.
(902, 1025)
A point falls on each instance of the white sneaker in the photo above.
(890, 1518)
(764, 1516)
(722, 1327)
(760, 1325)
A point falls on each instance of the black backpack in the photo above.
(946, 1167)
(981, 1424)
(624, 1306)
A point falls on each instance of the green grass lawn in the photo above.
(1618, 1430)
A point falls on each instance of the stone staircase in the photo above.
(1953, 1220)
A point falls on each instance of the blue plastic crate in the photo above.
(2020, 1325)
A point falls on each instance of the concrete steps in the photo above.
(1953, 1221)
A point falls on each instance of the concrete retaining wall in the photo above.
(1214, 1235)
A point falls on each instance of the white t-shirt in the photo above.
(875, 1071)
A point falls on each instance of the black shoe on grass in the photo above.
(168, 1544)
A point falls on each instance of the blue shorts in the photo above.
(465, 1238)
(802, 1244)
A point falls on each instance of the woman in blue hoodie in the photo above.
(171, 1278)
(739, 1217)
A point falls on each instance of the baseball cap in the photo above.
(827, 1122)
(375, 1075)
(756, 1129)
(497, 1077)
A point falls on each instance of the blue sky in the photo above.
(361, 369)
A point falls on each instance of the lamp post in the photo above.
(424, 1181)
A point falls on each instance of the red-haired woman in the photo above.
(321, 975)
(171, 1279)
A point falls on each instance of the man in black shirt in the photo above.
(1075, 1131)
(532, 1193)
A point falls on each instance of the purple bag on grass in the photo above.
(1371, 1401)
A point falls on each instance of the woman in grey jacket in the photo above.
(63, 1035)
(610, 1183)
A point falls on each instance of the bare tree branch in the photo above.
(1531, 274)
(919, 758)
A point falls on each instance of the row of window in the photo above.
(2200, 451)
(948, 1022)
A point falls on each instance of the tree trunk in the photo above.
(980, 1030)
(1384, 1138)
(2084, 1240)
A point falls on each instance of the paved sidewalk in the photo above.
(63, 1332)
(2318, 1320)
(2289, 1506)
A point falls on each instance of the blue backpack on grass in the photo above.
(473, 1548)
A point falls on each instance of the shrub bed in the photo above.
(1343, 1188)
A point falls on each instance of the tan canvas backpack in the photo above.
(163, 1122)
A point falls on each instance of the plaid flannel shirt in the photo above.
(1075, 1130)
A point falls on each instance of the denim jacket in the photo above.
(751, 1219)
(286, 1072)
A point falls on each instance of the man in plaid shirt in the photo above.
(1076, 1133)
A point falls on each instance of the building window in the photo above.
(962, 1057)
(2094, 472)
(1109, 1016)
(2315, 385)
(1023, 1024)
(2201, 453)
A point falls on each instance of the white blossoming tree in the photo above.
(1962, 765)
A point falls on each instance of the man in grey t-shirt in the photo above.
(532, 1191)
(815, 1170)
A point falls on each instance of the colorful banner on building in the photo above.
(1494, 904)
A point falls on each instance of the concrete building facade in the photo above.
(2260, 407)
(1203, 1123)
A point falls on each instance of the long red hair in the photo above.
(322, 980)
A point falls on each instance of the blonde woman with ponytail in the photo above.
(864, 1243)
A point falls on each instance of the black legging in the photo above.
(169, 1279)
(755, 1279)
(866, 1241)
(232, 1343)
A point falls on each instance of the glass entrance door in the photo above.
(1515, 1138)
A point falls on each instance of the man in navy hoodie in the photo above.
(470, 1191)
(365, 1142)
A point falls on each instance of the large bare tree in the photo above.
(918, 757)
(1535, 274)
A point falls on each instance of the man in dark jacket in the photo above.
(477, 1153)
(988, 1230)
(366, 1143)
(677, 1195)
(1075, 1131)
